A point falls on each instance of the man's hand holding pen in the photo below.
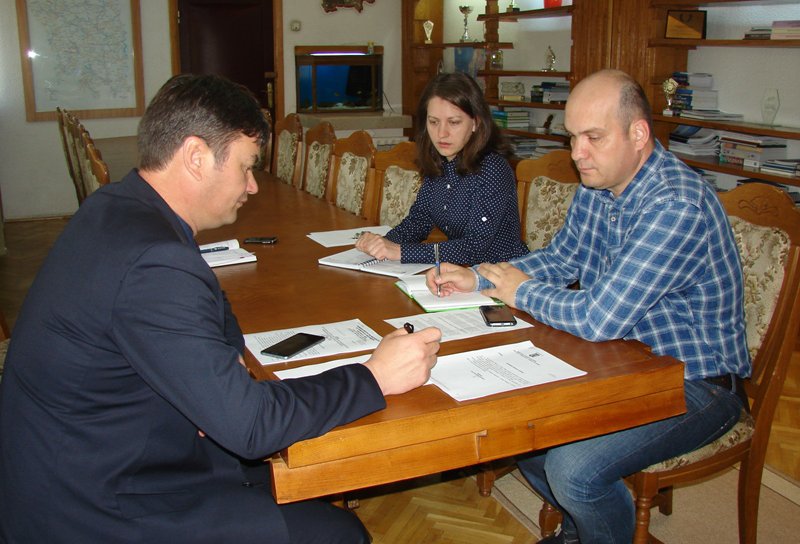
(403, 361)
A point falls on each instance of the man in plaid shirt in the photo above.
(652, 250)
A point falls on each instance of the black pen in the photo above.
(214, 249)
(438, 268)
(409, 328)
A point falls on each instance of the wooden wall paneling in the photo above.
(420, 62)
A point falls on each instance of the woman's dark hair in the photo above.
(210, 107)
(463, 92)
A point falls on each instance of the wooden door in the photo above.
(232, 38)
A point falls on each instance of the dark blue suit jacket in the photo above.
(124, 348)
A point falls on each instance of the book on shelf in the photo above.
(694, 141)
(753, 140)
(711, 115)
(697, 80)
(513, 97)
(353, 259)
(785, 30)
(782, 167)
(415, 288)
(225, 253)
(758, 33)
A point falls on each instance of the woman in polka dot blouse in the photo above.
(469, 189)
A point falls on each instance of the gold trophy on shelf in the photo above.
(427, 26)
(465, 10)
(670, 87)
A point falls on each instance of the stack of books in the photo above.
(519, 119)
(524, 148)
(695, 92)
(748, 150)
(712, 115)
(694, 141)
(549, 92)
(758, 33)
(782, 167)
(785, 30)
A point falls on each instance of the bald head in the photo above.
(610, 125)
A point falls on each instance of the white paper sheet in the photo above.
(489, 371)
(455, 324)
(341, 337)
(346, 237)
(319, 368)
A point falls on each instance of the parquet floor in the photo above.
(437, 510)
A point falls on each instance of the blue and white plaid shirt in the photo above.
(658, 264)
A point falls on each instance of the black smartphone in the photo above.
(289, 347)
(498, 316)
(268, 240)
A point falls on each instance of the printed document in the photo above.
(489, 371)
(342, 337)
(346, 237)
(456, 324)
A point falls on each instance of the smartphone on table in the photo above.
(498, 316)
(289, 347)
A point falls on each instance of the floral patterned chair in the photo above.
(286, 154)
(398, 180)
(351, 182)
(319, 153)
(545, 188)
(766, 226)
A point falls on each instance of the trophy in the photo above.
(466, 10)
(550, 61)
(512, 7)
(427, 26)
(670, 86)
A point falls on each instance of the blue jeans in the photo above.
(584, 479)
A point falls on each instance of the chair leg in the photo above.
(664, 501)
(549, 518)
(645, 489)
(749, 494)
(486, 478)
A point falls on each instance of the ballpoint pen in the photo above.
(213, 249)
(438, 268)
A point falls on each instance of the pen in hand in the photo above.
(438, 268)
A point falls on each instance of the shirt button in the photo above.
(613, 218)
(445, 206)
(484, 219)
(448, 185)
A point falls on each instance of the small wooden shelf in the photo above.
(790, 133)
(514, 103)
(561, 11)
(474, 45)
(680, 42)
(523, 73)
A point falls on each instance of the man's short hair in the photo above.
(633, 103)
(207, 106)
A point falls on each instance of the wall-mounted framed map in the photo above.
(84, 56)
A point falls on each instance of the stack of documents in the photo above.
(346, 237)
(225, 253)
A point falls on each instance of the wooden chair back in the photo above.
(97, 166)
(545, 188)
(68, 147)
(766, 226)
(319, 154)
(397, 182)
(266, 150)
(287, 157)
(351, 181)
(73, 130)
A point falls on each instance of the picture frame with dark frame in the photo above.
(686, 24)
(62, 68)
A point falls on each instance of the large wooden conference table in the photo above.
(424, 431)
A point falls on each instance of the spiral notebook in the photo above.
(354, 259)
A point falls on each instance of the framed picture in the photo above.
(689, 24)
(85, 57)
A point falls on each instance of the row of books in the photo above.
(778, 30)
(695, 92)
(782, 167)
(694, 141)
(533, 148)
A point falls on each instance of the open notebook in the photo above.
(354, 259)
(225, 253)
(414, 287)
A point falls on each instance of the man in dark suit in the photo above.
(126, 414)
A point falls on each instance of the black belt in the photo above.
(732, 383)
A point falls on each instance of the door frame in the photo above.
(277, 49)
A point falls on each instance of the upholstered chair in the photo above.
(286, 155)
(351, 182)
(398, 181)
(319, 153)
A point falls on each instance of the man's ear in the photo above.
(195, 154)
(640, 133)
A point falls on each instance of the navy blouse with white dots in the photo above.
(478, 213)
